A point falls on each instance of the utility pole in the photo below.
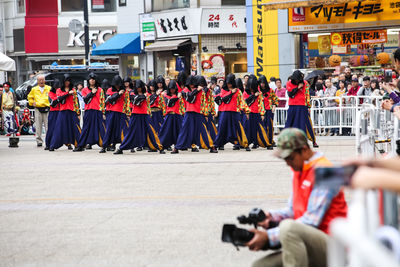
(86, 22)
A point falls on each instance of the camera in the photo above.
(334, 176)
(238, 236)
(256, 215)
(398, 147)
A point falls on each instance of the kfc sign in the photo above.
(76, 39)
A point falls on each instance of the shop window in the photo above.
(71, 5)
(130, 64)
(21, 6)
(233, 2)
(159, 5)
(236, 63)
(103, 5)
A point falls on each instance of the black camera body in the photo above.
(398, 147)
(236, 236)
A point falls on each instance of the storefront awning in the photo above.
(165, 45)
(122, 43)
(6, 63)
(284, 4)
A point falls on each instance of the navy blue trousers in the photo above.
(51, 125)
(269, 125)
(230, 129)
(93, 129)
(194, 131)
(255, 131)
(156, 120)
(116, 128)
(141, 134)
(211, 128)
(298, 117)
(170, 129)
(67, 129)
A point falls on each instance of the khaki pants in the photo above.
(302, 246)
(40, 119)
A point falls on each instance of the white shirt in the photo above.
(41, 89)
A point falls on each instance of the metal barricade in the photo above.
(353, 241)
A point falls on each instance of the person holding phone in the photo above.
(302, 230)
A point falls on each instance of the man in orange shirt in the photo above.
(303, 226)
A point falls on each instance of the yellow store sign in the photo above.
(265, 40)
(378, 13)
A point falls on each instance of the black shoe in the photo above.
(221, 148)
(169, 149)
(132, 150)
(39, 144)
(254, 147)
(108, 148)
(175, 151)
(151, 150)
(213, 150)
(315, 145)
(235, 147)
(70, 147)
(185, 149)
(46, 148)
(51, 149)
(248, 149)
(89, 147)
(270, 148)
(195, 149)
(112, 148)
(332, 134)
(139, 149)
(78, 149)
(118, 152)
(162, 152)
(103, 150)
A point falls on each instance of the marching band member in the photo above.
(230, 128)
(270, 103)
(194, 129)
(67, 128)
(201, 81)
(140, 131)
(174, 111)
(93, 129)
(243, 117)
(117, 106)
(299, 103)
(154, 90)
(254, 125)
(53, 113)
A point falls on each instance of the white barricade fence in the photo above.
(336, 114)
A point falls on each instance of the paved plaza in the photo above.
(143, 209)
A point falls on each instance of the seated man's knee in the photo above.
(287, 228)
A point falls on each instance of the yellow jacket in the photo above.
(41, 99)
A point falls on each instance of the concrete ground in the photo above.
(143, 209)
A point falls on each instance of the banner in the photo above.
(226, 20)
(357, 14)
(355, 38)
(213, 65)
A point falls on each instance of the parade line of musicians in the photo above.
(176, 117)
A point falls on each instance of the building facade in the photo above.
(37, 32)
(199, 37)
(329, 37)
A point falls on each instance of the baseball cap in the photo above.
(289, 140)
